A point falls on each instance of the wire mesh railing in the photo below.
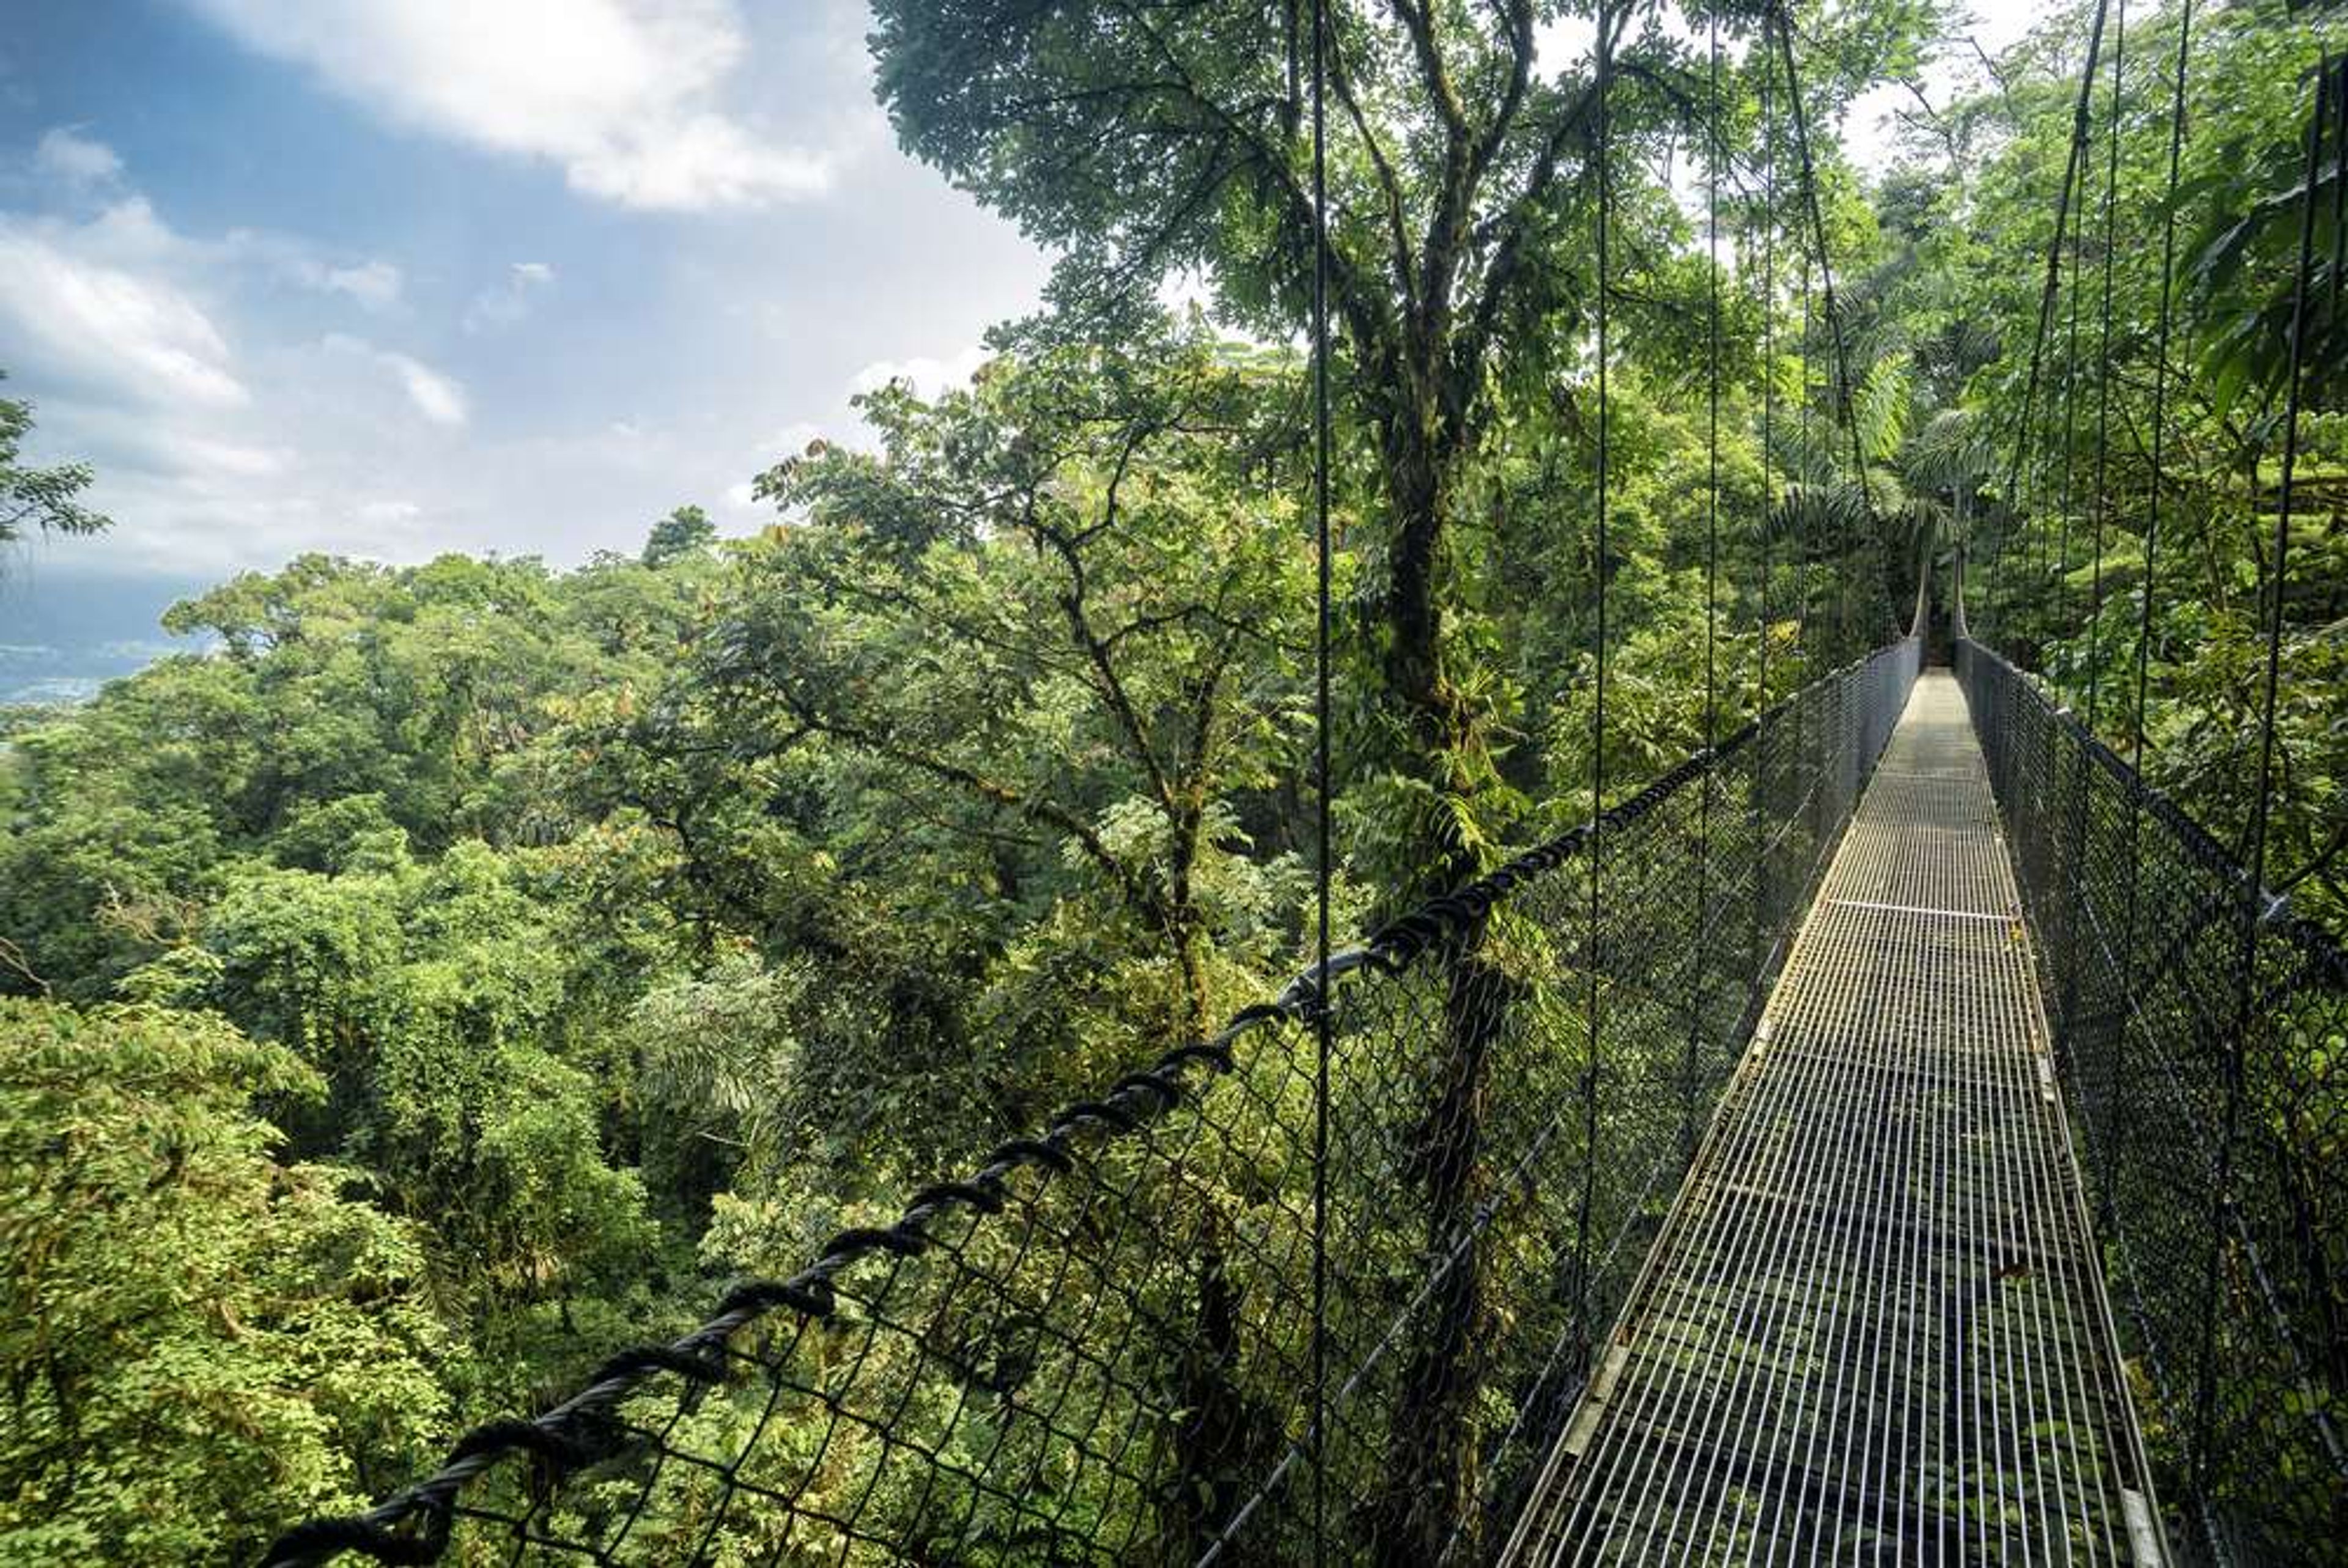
(1099, 1347)
(2202, 1034)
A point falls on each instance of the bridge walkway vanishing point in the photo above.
(1873, 1327)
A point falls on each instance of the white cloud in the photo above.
(123, 436)
(77, 160)
(334, 452)
(702, 162)
(511, 300)
(739, 497)
(436, 398)
(127, 233)
(617, 92)
(93, 324)
(927, 377)
(439, 398)
(373, 285)
(229, 458)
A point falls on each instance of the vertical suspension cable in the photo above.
(1590, 955)
(2160, 399)
(1762, 882)
(2061, 585)
(1826, 261)
(1712, 399)
(2071, 915)
(1806, 733)
(2047, 290)
(2330, 78)
(1699, 932)
(1769, 337)
(2135, 874)
(1992, 605)
(2293, 393)
(2055, 466)
(1826, 281)
(2103, 381)
(1323, 1021)
(2081, 108)
(1993, 599)
(1805, 650)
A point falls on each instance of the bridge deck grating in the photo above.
(1872, 1327)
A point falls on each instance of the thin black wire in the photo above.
(1805, 646)
(2073, 911)
(1711, 562)
(2294, 390)
(1768, 333)
(2066, 452)
(1826, 262)
(2000, 591)
(2104, 387)
(1600, 151)
(2161, 386)
(2134, 890)
(1805, 650)
(1322, 1014)
(1993, 606)
(1763, 881)
(2080, 111)
(1843, 401)
(1711, 430)
(2253, 889)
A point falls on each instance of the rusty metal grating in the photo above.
(1872, 1327)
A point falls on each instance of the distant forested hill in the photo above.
(64, 634)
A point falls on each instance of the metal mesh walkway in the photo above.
(1872, 1328)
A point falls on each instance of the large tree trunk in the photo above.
(1419, 452)
(1427, 1477)
(1220, 1444)
(1428, 1480)
(1414, 628)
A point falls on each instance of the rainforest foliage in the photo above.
(459, 970)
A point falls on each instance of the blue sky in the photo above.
(394, 277)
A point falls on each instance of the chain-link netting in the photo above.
(2201, 1031)
(1100, 1345)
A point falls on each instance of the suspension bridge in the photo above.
(1896, 1133)
(1873, 1322)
